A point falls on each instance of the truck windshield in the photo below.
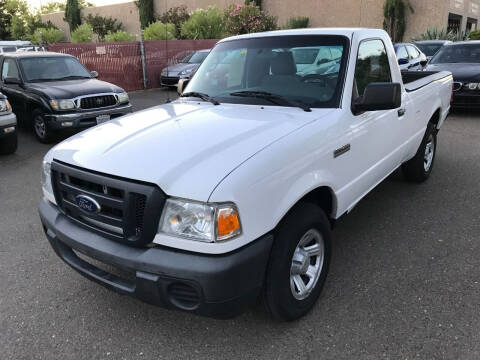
(467, 53)
(429, 49)
(37, 69)
(295, 69)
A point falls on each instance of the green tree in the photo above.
(82, 34)
(394, 13)
(52, 7)
(146, 12)
(159, 31)
(22, 21)
(72, 14)
(204, 24)
(102, 25)
(177, 16)
(5, 19)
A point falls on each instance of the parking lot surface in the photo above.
(404, 281)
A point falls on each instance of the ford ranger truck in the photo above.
(228, 194)
(8, 127)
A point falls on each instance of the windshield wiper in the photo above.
(72, 77)
(203, 96)
(274, 98)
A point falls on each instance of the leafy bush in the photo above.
(204, 24)
(47, 36)
(103, 25)
(244, 19)
(443, 34)
(176, 16)
(119, 35)
(299, 22)
(82, 34)
(159, 31)
(475, 35)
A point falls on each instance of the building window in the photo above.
(471, 24)
(454, 22)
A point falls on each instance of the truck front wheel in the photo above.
(418, 168)
(298, 263)
(41, 129)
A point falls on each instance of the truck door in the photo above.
(374, 138)
(14, 92)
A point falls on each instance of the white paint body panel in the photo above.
(263, 158)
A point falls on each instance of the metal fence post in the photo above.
(142, 55)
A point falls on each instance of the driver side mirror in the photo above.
(94, 74)
(402, 61)
(182, 84)
(378, 96)
(12, 81)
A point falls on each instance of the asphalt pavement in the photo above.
(404, 281)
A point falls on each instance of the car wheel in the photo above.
(299, 262)
(419, 168)
(8, 145)
(40, 127)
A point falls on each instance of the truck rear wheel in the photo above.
(418, 168)
(8, 145)
(298, 263)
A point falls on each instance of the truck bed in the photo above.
(414, 80)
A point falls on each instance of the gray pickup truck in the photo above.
(8, 127)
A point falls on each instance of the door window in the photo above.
(402, 53)
(372, 65)
(10, 69)
(413, 52)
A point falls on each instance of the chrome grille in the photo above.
(128, 211)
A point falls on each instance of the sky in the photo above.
(38, 3)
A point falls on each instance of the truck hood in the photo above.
(461, 72)
(184, 147)
(72, 88)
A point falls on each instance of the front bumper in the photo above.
(82, 119)
(466, 99)
(169, 80)
(210, 285)
(8, 124)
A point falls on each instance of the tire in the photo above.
(40, 128)
(282, 296)
(419, 168)
(8, 144)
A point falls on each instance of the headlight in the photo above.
(473, 86)
(5, 105)
(200, 221)
(186, 72)
(62, 104)
(47, 181)
(122, 97)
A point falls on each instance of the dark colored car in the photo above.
(50, 92)
(430, 47)
(184, 69)
(463, 60)
(410, 57)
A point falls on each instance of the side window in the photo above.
(9, 69)
(402, 53)
(413, 52)
(372, 65)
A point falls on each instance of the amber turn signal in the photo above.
(228, 223)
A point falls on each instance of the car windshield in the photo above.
(53, 68)
(467, 53)
(251, 71)
(195, 58)
(429, 49)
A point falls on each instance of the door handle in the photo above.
(401, 112)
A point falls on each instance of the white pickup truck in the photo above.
(228, 194)
(8, 127)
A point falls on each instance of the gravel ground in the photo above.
(404, 281)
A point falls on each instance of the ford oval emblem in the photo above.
(87, 204)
